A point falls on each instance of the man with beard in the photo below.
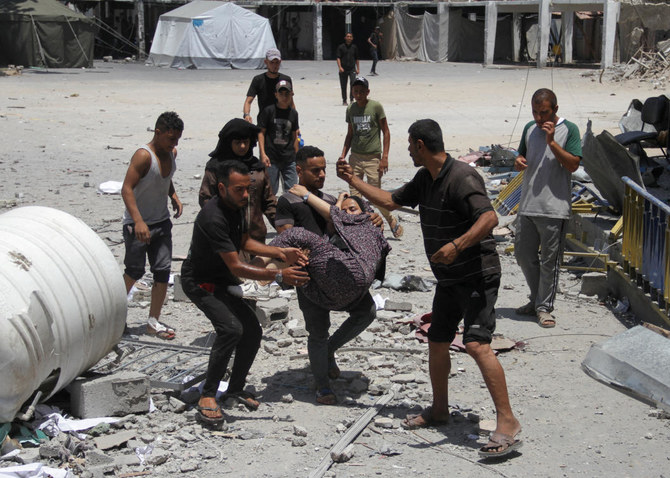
(210, 276)
(457, 221)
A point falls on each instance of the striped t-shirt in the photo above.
(448, 207)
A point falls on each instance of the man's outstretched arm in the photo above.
(377, 196)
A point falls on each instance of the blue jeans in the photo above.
(321, 346)
(288, 174)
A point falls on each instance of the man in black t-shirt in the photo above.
(294, 211)
(210, 277)
(264, 85)
(348, 65)
(457, 221)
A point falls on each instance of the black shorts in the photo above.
(472, 301)
(159, 251)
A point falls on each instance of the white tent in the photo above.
(210, 34)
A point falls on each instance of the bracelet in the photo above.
(455, 246)
(244, 115)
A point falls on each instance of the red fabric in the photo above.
(208, 286)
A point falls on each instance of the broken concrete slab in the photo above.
(116, 394)
(398, 306)
(643, 375)
(106, 442)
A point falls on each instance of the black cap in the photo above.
(361, 80)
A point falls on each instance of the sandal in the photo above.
(424, 419)
(528, 309)
(545, 320)
(500, 444)
(325, 396)
(247, 399)
(161, 331)
(333, 369)
(209, 420)
(396, 228)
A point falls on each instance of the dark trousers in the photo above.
(344, 76)
(375, 58)
(321, 346)
(237, 329)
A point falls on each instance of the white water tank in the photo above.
(62, 303)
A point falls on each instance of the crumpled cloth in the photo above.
(406, 283)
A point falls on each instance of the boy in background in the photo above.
(278, 138)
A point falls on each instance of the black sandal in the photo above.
(247, 399)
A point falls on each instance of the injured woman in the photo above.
(342, 266)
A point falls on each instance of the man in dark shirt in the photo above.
(209, 276)
(321, 347)
(348, 65)
(457, 222)
(375, 42)
(278, 139)
(264, 85)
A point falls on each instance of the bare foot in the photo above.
(427, 418)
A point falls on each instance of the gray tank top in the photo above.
(151, 193)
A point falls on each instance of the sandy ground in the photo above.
(66, 131)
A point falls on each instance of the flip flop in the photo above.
(209, 420)
(497, 440)
(325, 396)
(396, 228)
(422, 420)
(247, 399)
(165, 332)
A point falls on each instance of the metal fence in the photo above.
(646, 242)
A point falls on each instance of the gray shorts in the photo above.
(159, 251)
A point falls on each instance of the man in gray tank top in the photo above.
(549, 152)
(147, 229)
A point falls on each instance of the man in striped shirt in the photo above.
(457, 221)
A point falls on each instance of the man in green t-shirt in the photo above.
(366, 120)
(549, 152)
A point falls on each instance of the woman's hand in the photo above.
(298, 190)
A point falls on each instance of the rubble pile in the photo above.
(646, 65)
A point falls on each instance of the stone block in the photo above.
(178, 294)
(117, 394)
(595, 283)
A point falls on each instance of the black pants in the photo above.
(375, 58)
(344, 76)
(237, 329)
(321, 345)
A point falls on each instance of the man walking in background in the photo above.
(348, 65)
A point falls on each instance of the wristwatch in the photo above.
(279, 277)
(244, 115)
(305, 197)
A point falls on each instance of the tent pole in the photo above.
(39, 43)
(77, 38)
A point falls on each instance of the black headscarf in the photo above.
(235, 129)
